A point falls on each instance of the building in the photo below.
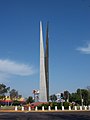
(44, 68)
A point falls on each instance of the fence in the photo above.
(75, 108)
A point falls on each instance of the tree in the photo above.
(19, 96)
(3, 90)
(88, 88)
(66, 95)
(16, 103)
(13, 94)
(79, 95)
(85, 96)
(29, 100)
(62, 95)
(53, 98)
(74, 97)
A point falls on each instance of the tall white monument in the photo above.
(43, 97)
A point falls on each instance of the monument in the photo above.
(44, 68)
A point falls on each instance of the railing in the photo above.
(75, 108)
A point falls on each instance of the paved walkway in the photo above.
(45, 111)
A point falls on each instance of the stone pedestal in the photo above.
(85, 107)
(49, 108)
(62, 107)
(36, 108)
(55, 108)
(69, 107)
(29, 108)
(75, 107)
(22, 108)
(89, 107)
(42, 108)
(80, 107)
(15, 108)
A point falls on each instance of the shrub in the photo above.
(53, 104)
(59, 106)
(66, 105)
(39, 107)
(45, 106)
(16, 103)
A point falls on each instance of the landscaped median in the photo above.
(43, 108)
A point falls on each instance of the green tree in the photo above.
(29, 100)
(74, 97)
(88, 88)
(79, 95)
(53, 98)
(3, 90)
(15, 102)
(13, 94)
(85, 96)
(19, 96)
(66, 95)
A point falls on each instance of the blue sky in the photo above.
(69, 43)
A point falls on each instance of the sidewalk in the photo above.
(45, 111)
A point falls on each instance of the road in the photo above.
(46, 116)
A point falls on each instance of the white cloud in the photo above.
(8, 68)
(84, 50)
